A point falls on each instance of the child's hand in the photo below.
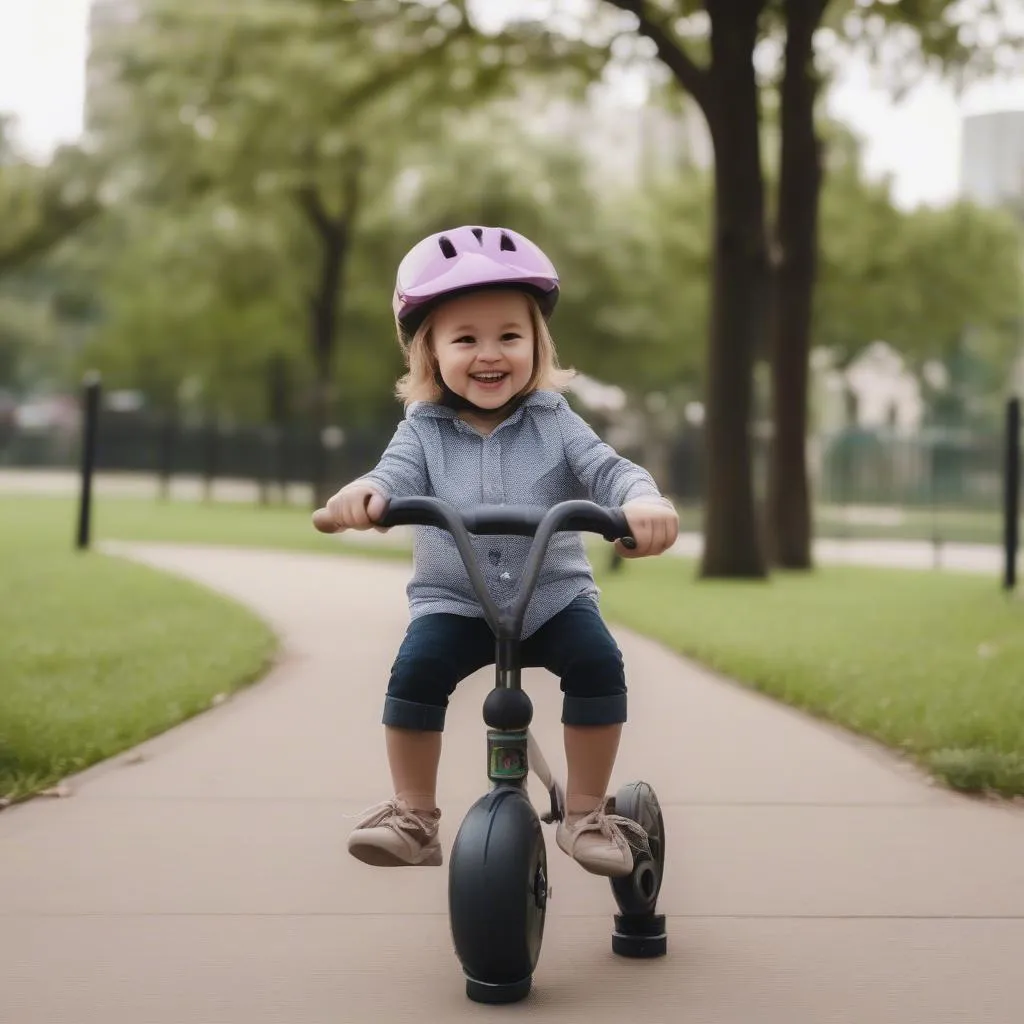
(357, 506)
(654, 526)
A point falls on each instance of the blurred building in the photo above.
(106, 17)
(623, 140)
(992, 159)
(992, 175)
(877, 390)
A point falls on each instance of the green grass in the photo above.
(931, 664)
(99, 654)
(834, 522)
(949, 525)
(222, 523)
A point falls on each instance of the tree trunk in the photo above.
(789, 520)
(325, 306)
(323, 329)
(732, 543)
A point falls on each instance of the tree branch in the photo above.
(55, 224)
(351, 181)
(308, 198)
(690, 75)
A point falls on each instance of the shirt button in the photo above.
(505, 576)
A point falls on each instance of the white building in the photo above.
(876, 391)
(624, 140)
(105, 18)
(992, 158)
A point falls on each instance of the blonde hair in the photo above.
(419, 383)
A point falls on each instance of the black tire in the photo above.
(637, 893)
(497, 893)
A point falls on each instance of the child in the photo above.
(485, 423)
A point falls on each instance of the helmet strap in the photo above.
(451, 400)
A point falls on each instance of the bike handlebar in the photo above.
(508, 520)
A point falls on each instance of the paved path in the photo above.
(812, 879)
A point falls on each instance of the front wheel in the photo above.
(497, 895)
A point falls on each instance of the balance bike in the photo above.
(498, 887)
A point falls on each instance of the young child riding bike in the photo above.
(486, 423)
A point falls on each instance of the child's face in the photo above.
(483, 344)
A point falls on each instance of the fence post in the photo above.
(1011, 493)
(168, 429)
(90, 421)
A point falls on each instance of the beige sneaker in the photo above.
(600, 842)
(392, 835)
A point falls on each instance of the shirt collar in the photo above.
(534, 400)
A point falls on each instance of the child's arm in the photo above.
(614, 481)
(610, 478)
(401, 471)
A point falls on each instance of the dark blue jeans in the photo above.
(439, 651)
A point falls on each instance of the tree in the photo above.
(794, 270)
(953, 35)
(206, 296)
(305, 105)
(903, 36)
(40, 206)
(725, 88)
(926, 281)
(181, 292)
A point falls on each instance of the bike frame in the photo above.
(508, 750)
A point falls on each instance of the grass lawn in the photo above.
(948, 525)
(929, 663)
(226, 523)
(98, 654)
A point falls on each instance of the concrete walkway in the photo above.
(812, 878)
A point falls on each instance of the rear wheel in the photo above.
(639, 931)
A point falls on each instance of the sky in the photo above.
(42, 80)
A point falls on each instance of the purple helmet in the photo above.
(466, 258)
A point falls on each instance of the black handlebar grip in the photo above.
(414, 512)
(508, 520)
(621, 528)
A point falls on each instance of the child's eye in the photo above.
(465, 338)
(511, 336)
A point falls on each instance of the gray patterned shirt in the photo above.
(542, 454)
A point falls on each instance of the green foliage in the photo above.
(27, 336)
(230, 126)
(203, 296)
(234, 135)
(918, 280)
(40, 206)
(293, 121)
(962, 39)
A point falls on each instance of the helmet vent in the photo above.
(507, 244)
(479, 233)
(447, 248)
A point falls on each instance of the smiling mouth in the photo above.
(488, 378)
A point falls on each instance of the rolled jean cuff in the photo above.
(408, 714)
(609, 709)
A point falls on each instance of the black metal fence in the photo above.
(212, 451)
(938, 485)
